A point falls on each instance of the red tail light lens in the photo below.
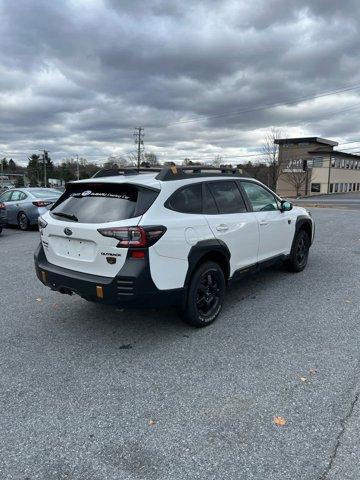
(2, 206)
(41, 203)
(136, 237)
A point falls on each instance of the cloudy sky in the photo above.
(77, 75)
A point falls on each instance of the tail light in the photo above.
(41, 203)
(140, 237)
(2, 206)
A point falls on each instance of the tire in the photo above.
(299, 252)
(205, 296)
(23, 221)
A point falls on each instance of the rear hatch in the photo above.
(71, 237)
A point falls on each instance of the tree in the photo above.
(151, 159)
(34, 170)
(12, 166)
(4, 164)
(270, 152)
(218, 160)
(297, 178)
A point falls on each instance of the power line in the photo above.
(265, 106)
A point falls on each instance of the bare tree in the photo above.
(270, 152)
(151, 160)
(218, 160)
(297, 178)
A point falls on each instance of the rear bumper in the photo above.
(131, 288)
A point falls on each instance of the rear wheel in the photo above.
(23, 221)
(299, 252)
(206, 295)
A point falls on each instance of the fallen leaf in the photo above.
(39, 299)
(279, 421)
(312, 371)
(152, 423)
(56, 305)
(303, 379)
(348, 301)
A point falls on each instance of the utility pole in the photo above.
(77, 167)
(45, 154)
(139, 135)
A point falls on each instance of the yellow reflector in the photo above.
(99, 291)
(43, 276)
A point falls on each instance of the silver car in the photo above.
(23, 206)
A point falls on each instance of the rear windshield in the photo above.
(100, 203)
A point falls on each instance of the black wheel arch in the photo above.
(208, 250)
(304, 223)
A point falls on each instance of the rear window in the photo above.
(186, 200)
(101, 203)
(227, 197)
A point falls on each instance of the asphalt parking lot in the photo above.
(93, 393)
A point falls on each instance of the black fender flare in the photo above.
(304, 220)
(205, 248)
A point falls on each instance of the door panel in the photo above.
(274, 226)
(240, 232)
(230, 222)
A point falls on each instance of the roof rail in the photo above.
(112, 172)
(174, 172)
(178, 173)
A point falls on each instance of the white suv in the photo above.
(172, 237)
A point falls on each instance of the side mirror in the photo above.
(286, 206)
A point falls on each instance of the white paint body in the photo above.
(251, 237)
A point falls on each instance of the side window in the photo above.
(5, 197)
(260, 198)
(17, 196)
(187, 200)
(209, 204)
(227, 197)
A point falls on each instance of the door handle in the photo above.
(222, 227)
(263, 223)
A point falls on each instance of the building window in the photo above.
(315, 187)
(317, 161)
(331, 187)
(336, 187)
(358, 187)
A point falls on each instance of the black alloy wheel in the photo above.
(205, 295)
(299, 252)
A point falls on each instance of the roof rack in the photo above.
(178, 173)
(174, 172)
(112, 172)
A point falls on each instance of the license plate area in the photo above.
(77, 249)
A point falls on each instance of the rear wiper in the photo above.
(70, 216)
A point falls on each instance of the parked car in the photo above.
(25, 205)
(176, 237)
(3, 219)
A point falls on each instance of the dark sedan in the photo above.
(23, 206)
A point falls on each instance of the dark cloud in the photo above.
(77, 76)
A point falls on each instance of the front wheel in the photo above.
(23, 221)
(206, 295)
(299, 252)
